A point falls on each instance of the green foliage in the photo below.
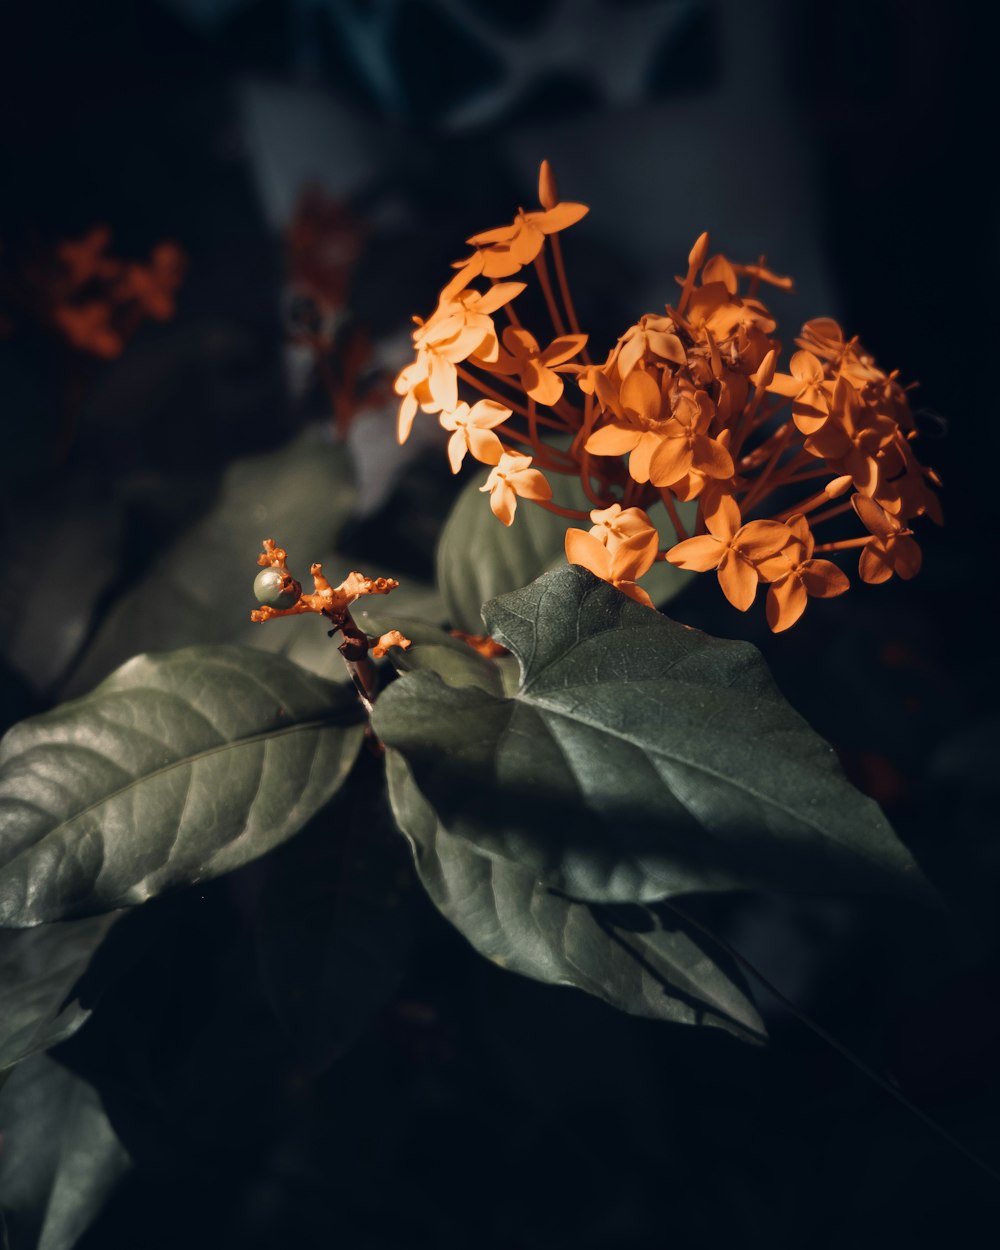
(61, 1158)
(39, 971)
(175, 769)
(638, 760)
(514, 920)
(479, 559)
(301, 495)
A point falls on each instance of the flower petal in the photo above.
(759, 539)
(670, 461)
(457, 447)
(500, 293)
(558, 218)
(701, 553)
(641, 394)
(723, 517)
(738, 580)
(487, 414)
(666, 346)
(786, 601)
(503, 501)
(541, 383)
(642, 453)
(564, 348)
(711, 458)
(635, 592)
(530, 484)
(484, 445)
(584, 549)
(612, 440)
(823, 579)
(874, 565)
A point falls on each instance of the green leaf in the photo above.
(39, 970)
(520, 924)
(478, 558)
(60, 1159)
(435, 651)
(177, 768)
(639, 759)
(200, 590)
(335, 925)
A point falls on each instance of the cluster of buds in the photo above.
(280, 594)
(688, 405)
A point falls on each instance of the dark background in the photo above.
(854, 144)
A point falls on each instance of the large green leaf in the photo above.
(177, 768)
(478, 558)
(520, 924)
(199, 591)
(639, 759)
(39, 970)
(60, 1159)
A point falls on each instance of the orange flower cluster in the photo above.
(98, 301)
(687, 406)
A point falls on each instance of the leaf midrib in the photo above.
(188, 760)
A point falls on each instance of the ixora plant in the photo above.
(552, 746)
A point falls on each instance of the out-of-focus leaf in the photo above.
(60, 1158)
(520, 924)
(39, 971)
(639, 759)
(478, 558)
(335, 926)
(200, 591)
(177, 768)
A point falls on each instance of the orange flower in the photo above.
(152, 286)
(511, 478)
(852, 438)
(615, 525)
(638, 429)
(507, 249)
(892, 547)
(460, 327)
(795, 575)
(651, 335)
(735, 550)
(622, 558)
(413, 384)
(804, 386)
(473, 431)
(536, 369)
(84, 258)
(88, 327)
(686, 446)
